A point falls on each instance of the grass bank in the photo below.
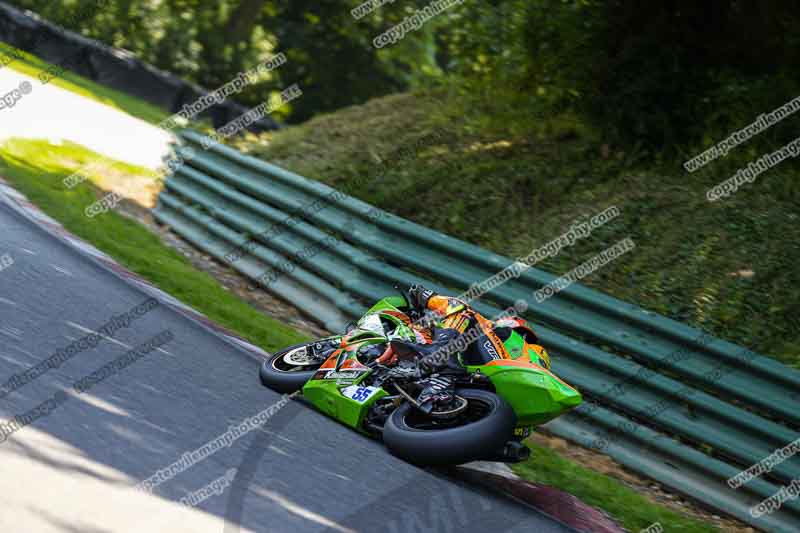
(510, 180)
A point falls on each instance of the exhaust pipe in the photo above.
(513, 452)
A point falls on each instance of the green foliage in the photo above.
(660, 79)
(413, 61)
(330, 55)
(667, 65)
(664, 77)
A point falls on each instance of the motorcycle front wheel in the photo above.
(288, 370)
(481, 429)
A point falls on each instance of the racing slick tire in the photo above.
(487, 425)
(281, 376)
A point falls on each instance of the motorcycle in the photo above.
(495, 406)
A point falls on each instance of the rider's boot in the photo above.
(437, 393)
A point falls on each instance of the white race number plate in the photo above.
(359, 393)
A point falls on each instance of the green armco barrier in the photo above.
(680, 467)
(758, 387)
(196, 230)
(664, 411)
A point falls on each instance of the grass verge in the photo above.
(633, 510)
(37, 168)
(31, 65)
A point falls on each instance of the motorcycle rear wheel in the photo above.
(288, 370)
(484, 428)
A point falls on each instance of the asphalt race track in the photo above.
(75, 467)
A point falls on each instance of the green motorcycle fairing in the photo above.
(335, 389)
(535, 394)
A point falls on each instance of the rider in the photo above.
(438, 360)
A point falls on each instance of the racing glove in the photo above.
(418, 296)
